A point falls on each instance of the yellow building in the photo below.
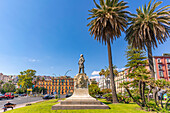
(60, 85)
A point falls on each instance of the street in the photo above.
(20, 100)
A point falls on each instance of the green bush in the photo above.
(124, 99)
(56, 97)
(108, 97)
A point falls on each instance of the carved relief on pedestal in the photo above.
(81, 80)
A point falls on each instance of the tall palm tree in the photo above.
(149, 27)
(108, 21)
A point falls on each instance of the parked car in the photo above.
(9, 95)
(23, 95)
(2, 96)
(16, 95)
(68, 95)
(48, 97)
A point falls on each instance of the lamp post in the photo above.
(67, 72)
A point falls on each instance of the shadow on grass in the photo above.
(107, 102)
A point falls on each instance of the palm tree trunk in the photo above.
(150, 58)
(114, 95)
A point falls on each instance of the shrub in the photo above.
(108, 97)
(56, 97)
(124, 99)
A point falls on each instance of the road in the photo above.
(20, 100)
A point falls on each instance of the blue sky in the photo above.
(50, 35)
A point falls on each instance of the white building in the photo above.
(104, 83)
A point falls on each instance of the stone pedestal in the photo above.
(80, 100)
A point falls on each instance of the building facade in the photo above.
(120, 78)
(162, 67)
(7, 78)
(60, 85)
(104, 83)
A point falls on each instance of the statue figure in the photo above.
(81, 63)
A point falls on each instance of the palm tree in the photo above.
(108, 21)
(149, 27)
(102, 72)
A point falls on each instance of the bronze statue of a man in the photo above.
(81, 63)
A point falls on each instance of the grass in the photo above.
(45, 107)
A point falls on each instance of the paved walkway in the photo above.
(20, 105)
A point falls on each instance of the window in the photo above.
(159, 66)
(168, 66)
(161, 74)
(169, 73)
(168, 60)
(159, 60)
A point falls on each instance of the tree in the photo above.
(25, 79)
(94, 82)
(106, 74)
(109, 19)
(19, 91)
(102, 72)
(94, 90)
(9, 87)
(140, 78)
(42, 90)
(149, 27)
(137, 71)
(1, 82)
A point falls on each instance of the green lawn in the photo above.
(45, 107)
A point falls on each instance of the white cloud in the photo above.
(120, 69)
(33, 60)
(95, 73)
(96, 77)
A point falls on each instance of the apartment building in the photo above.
(57, 85)
(162, 66)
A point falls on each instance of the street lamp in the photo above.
(67, 72)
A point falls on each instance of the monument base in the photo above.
(80, 100)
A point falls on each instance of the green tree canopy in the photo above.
(26, 78)
(94, 90)
(148, 28)
(109, 19)
(9, 87)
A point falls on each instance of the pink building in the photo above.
(162, 67)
